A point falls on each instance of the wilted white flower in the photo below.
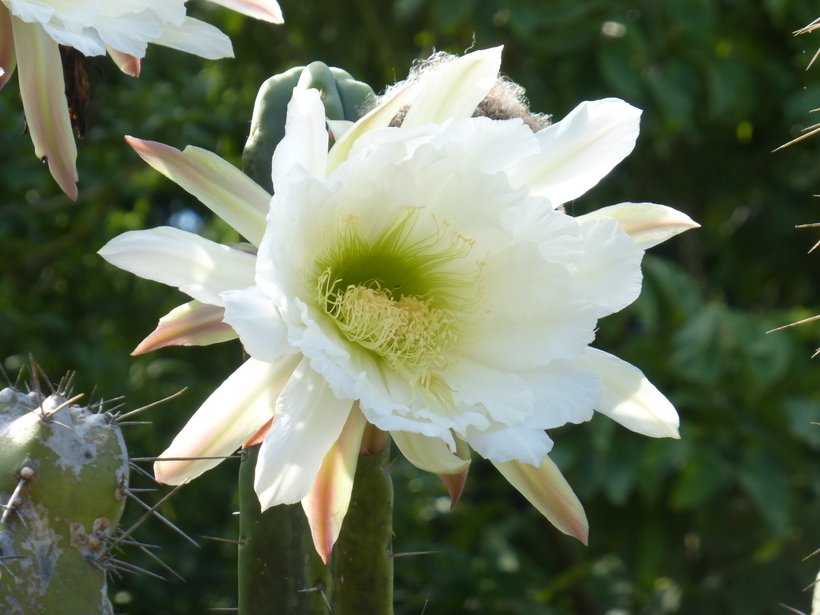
(421, 279)
(31, 30)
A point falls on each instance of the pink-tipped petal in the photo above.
(328, 500)
(454, 483)
(629, 398)
(647, 223)
(233, 413)
(8, 61)
(224, 189)
(42, 89)
(128, 64)
(547, 489)
(266, 10)
(190, 324)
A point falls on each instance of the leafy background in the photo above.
(717, 522)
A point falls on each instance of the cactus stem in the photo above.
(152, 511)
(121, 417)
(321, 590)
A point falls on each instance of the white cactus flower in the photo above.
(421, 279)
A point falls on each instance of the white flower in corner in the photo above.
(421, 279)
(31, 30)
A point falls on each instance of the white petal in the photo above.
(197, 37)
(647, 223)
(231, 415)
(455, 89)
(220, 186)
(629, 398)
(306, 139)
(131, 34)
(258, 323)
(197, 266)
(502, 443)
(8, 61)
(190, 324)
(577, 152)
(428, 454)
(87, 41)
(609, 272)
(309, 419)
(564, 393)
(266, 10)
(547, 489)
(505, 396)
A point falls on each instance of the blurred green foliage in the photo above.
(715, 523)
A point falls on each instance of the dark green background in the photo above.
(716, 523)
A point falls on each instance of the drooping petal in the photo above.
(266, 10)
(128, 64)
(8, 60)
(428, 454)
(547, 489)
(309, 419)
(258, 323)
(234, 412)
(197, 37)
(190, 324)
(454, 91)
(306, 138)
(195, 265)
(42, 89)
(629, 398)
(326, 504)
(609, 270)
(647, 223)
(577, 152)
(220, 186)
(454, 483)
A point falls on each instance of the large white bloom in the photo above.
(421, 279)
(30, 31)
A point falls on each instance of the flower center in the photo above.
(407, 295)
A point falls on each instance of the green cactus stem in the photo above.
(63, 477)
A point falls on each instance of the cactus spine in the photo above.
(63, 477)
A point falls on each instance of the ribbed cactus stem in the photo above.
(63, 477)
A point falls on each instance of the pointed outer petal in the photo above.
(258, 323)
(379, 117)
(266, 10)
(577, 152)
(306, 138)
(190, 324)
(502, 443)
(455, 89)
(197, 266)
(326, 504)
(609, 271)
(233, 413)
(647, 223)
(220, 186)
(531, 316)
(130, 65)
(564, 393)
(505, 396)
(454, 483)
(338, 128)
(8, 60)
(547, 489)
(429, 454)
(259, 436)
(629, 398)
(197, 37)
(309, 419)
(42, 88)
